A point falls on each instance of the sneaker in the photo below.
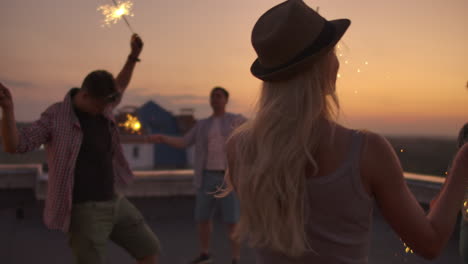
(202, 259)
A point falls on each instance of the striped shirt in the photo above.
(58, 129)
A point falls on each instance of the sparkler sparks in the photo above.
(407, 249)
(132, 124)
(358, 66)
(113, 13)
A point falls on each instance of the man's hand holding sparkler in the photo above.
(136, 45)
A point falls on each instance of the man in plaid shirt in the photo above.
(86, 164)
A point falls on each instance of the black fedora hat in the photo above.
(289, 37)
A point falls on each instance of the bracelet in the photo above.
(132, 58)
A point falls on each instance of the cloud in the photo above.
(18, 84)
(171, 102)
(175, 102)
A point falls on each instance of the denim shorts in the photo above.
(206, 202)
(93, 224)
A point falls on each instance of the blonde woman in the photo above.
(306, 184)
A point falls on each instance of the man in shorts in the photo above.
(209, 136)
(86, 163)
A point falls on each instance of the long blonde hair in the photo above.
(272, 152)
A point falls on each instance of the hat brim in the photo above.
(286, 71)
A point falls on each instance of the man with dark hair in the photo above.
(86, 164)
(209, 137)
(220, 89)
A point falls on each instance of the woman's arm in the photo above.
(425, 234)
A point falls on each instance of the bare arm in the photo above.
(28, 138)
(231, 158)
(9, 130)
(425, 234)
(135, 139)
(125, 75)
(176, 142)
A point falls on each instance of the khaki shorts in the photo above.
(94, 223)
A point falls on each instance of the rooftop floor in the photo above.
(28, 241)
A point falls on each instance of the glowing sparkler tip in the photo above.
(136, 126)
(402, 150)
(132, 124)
(113, 14)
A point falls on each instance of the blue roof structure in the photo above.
(157, 120)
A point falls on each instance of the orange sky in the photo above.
(414, 83)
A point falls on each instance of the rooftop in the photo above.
(168, 210)
(28, 241)
(166, 200)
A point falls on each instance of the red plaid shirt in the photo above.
(59, 130)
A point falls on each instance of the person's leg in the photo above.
(205, 229)
(464, 240)
(132, 233)
(91, 225)
(231, 212)
(204, 207)
(235, 245)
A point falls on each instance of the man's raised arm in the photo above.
(125, 75)
(9, 130)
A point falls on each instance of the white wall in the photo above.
(139, 156)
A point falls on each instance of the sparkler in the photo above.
(407, 249)
(120, 10)
(132, 124)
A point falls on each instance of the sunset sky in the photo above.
(414, 82)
